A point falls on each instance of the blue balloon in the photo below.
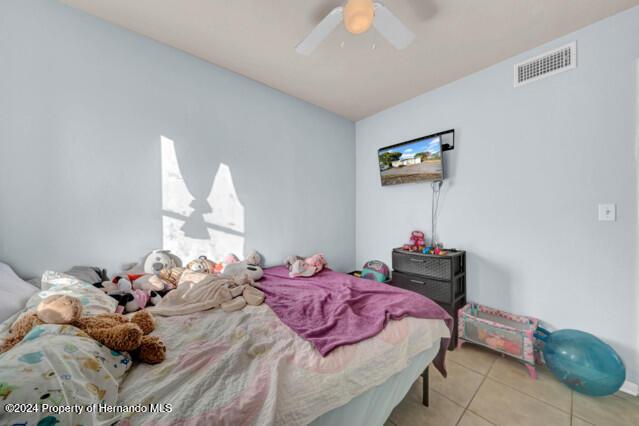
(582, 361)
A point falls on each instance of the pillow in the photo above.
(14, 292)
(93, 300)
(89, 274)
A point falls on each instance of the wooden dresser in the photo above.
(440, 278)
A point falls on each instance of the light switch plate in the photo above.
(607, 212)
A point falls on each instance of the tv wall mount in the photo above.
(448, 139)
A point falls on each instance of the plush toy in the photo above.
(202, 264)
(145, 275)
(417, 242)
(157, 260)
(114, 331)
(155, 297)
(253, 272)
(305, 267)
(229, 259)
(130, 298)
(230, 294)
(254, 258)
(249, 266)
(417, 239)
(231, 267)
(172, 275)
(142, 284)
(243, 294)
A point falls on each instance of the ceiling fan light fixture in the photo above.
(358, 16)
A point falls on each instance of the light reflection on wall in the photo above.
(190, 228)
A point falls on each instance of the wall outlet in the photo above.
(607, 212)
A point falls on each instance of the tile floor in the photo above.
(483, 388)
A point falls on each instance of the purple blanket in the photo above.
(333, 309)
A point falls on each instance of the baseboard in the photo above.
(630, 388)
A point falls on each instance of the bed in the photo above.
(240, 368)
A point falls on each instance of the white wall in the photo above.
(530, 166)
(83, 107)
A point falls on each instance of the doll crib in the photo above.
(506, 333)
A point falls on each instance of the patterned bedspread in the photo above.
(54, 374)
(239, 368)
(248, 368)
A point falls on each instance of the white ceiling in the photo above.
(257, 38)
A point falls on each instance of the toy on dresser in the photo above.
(417, 242)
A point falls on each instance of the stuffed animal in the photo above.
(417, 238)
(230, 294)
(130, 298)
(230, 258)
(249, 266)
(145, 275)
(157, 260)
(305, 267)
(417, 242)
(114, 331)
(141, 284)
(253, 272)
(202, 264)
(243, 293)
(172, 275)
(230, 268)
(137, 299)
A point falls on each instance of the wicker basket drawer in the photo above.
(439, 291)
(433, 266)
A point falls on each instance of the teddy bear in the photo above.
(203, 264)
(113, 330)
(417, 242)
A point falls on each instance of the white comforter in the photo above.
(248, 368)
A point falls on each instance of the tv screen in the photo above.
(417, 160)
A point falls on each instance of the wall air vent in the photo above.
(550, 63)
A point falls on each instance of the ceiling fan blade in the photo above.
(392, 28)
(321, 31)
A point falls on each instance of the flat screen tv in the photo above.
(417, 160)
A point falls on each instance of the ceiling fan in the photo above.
(358, 16)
